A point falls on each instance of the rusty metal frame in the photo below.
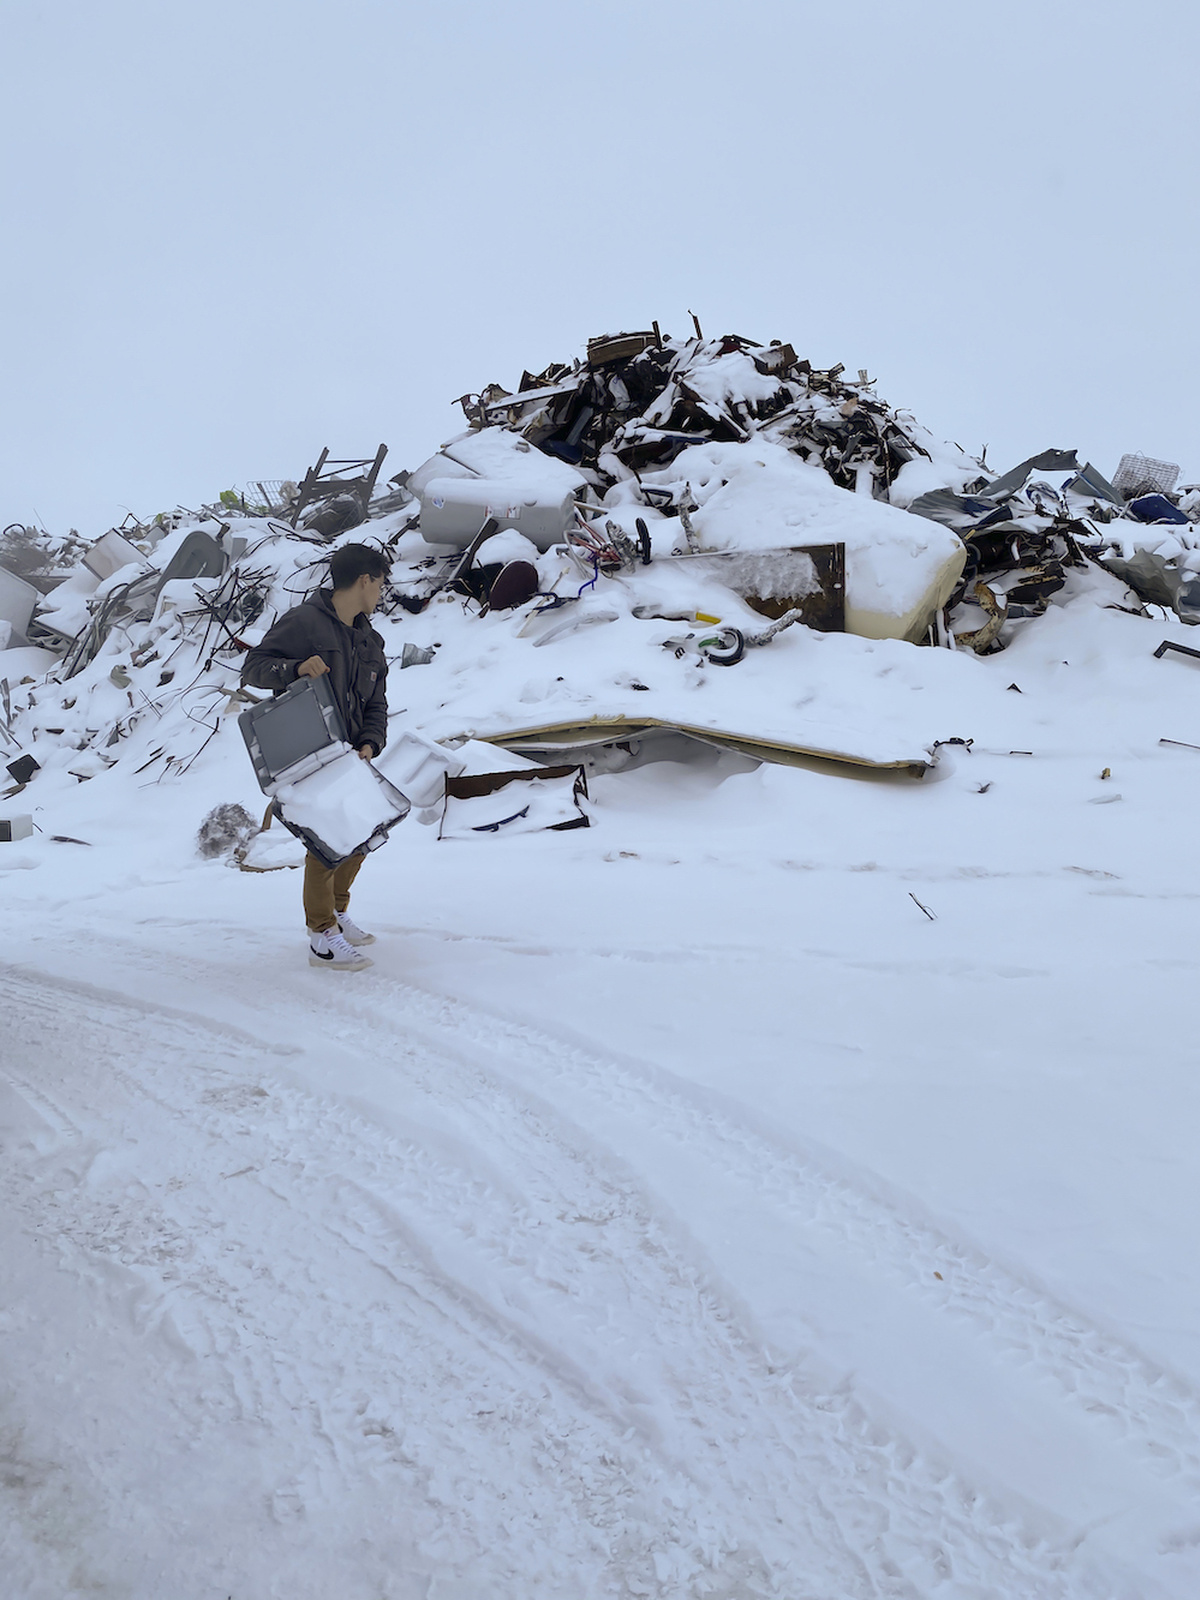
(328, 478)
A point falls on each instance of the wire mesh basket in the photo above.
(1139, 474)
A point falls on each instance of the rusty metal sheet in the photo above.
(612, 347)
(565, 737)
(810, 579)
(981, 639)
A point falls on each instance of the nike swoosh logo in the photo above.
(322, 955)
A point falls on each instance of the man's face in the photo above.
(372, 592)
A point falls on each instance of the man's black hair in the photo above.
(354, 561)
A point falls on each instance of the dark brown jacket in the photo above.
(354, 656)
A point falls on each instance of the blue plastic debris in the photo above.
(1155, 508)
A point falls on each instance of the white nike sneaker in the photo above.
(330, 949)
(351, 931)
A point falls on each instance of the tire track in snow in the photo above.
(1155, 1409)
(732, 1451)
(319, 1277)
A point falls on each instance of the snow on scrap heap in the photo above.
(697, 536)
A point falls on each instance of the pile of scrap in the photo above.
(63, 595)
(1154, 546)
(146, 655)
(639, 400)
(605, 660)
(1024, 529)
(716, 446)
(630, 418)
(696, 540)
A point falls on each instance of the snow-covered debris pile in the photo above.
(39, 557)
(1021, 530)
(630, 418)
(580, 569)
(153, 655)
(606, 649)
(1137, 474)
(899, 570)
(654, 426)
(32, 564)
(639, 400)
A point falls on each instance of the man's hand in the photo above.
(314, 667)
(366, 751)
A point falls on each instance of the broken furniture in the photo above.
(198, 556)
(418, 767)
(340, 490)
(17, 600)
(109, 554)
(483, 803)
(323, 790)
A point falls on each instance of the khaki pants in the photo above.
(327, 891)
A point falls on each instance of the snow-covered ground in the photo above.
(673, 1210)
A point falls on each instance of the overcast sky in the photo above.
(240, 230)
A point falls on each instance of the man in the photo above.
(330, 633)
